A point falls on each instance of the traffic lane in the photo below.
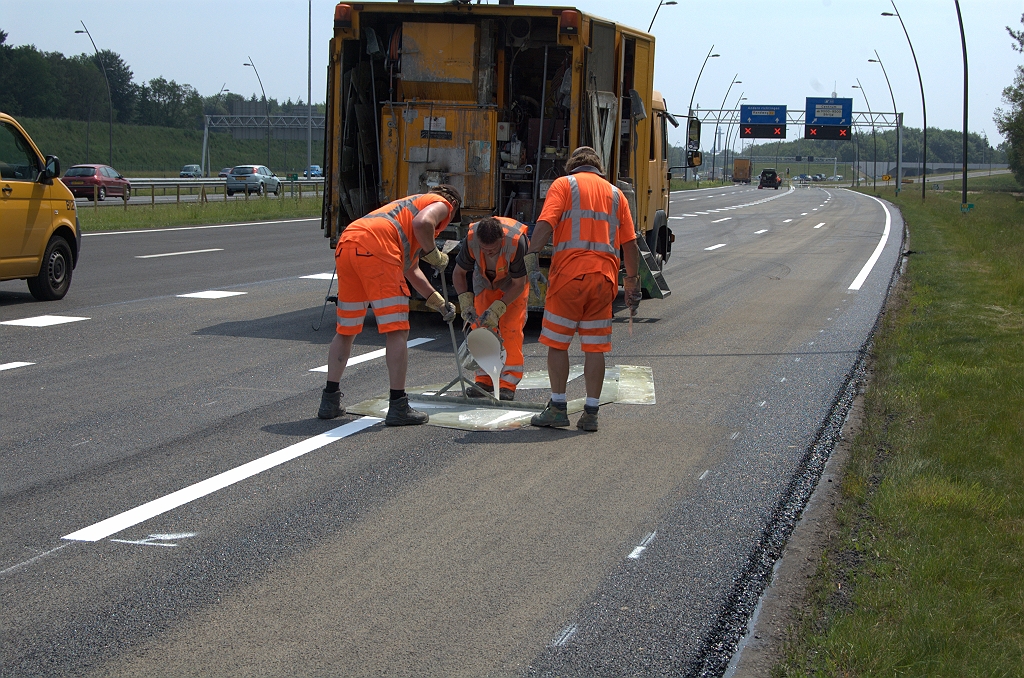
(641, 621)
(683, 201)
(718, 207)
(110, 269)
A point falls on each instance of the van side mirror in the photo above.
(694, 158)
(636, 105)
(51, 170)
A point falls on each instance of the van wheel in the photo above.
(54, 277)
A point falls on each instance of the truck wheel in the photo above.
(54, 277)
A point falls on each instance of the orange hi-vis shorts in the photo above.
(582, 304)
(365, 279)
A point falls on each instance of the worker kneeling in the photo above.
(494, 251)
(376, 257)
(589, 222)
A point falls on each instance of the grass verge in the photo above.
(193, 214)
(924, 577)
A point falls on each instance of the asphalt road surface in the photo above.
(637, 550)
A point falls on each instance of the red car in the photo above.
(82, 179)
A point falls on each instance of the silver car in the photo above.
(252, 179)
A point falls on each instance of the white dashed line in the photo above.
(704, 475)
(718, 221)
(820, 225)
(317, 276)
(763, 230)
(735, 435)
(210, 294)
(567, 633)
(680, 218)
(715, 247)
(174, 254)
(786, 221)
(123, 521)
(12, 366)
(43, 320)
(635, 554)
(379, 353)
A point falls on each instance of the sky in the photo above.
(782, 51)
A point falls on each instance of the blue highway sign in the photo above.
(821, 112)
(763, 115)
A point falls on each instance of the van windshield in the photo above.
(80, 172)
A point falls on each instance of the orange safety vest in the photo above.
(588, 228)
(387, 232)
(513, 231)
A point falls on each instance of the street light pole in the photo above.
(266, 104)
(689, 109)
(874, 139)
(309, 98)
(963, 43)
(660, 3)
(717, 121)
(924, 108)
(899, 130)
(110, 101)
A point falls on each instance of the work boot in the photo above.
(506, 394)
(588, 420)
(330, 405)
(478, 391)
(400, 414)
(554, 415)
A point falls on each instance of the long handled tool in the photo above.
(451, 330)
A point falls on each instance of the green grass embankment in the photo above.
(925, 577)
(192, 213)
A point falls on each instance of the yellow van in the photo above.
(39, 233)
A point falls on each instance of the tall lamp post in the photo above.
(717, 121)
(963, 43)
(924, 109)
(689, 109)
(660, 3)
(309, 97)
(266, 104)
(895, 115)
(874, 139)
(110, 132)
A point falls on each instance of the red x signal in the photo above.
(747, 130)
(842, 132)
(814, 131)
(778, 131)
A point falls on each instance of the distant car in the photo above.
(252, 179)
(817, 177)
(313, 171)
(803, 177)
(85, 181)
(191, 172)
(769, 179)
(835, 177)
(224, 172)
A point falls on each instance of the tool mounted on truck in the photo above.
(491, 99)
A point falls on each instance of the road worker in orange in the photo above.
(494, 252)
(589, 222)
(377, 258)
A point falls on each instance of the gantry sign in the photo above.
(762, 122)
(828, 118)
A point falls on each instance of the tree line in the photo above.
(37, 84)
(1010, 120)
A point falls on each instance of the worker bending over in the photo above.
(494, 251)
(589, 222)
(376, 256)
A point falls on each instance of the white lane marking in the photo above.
(150, 509)
(820, 225)
(701, 212)
(157, 539)
(803, 214)
(174, 254)
(704, 475)
(715, 247)
(199, 228)
(317, 276)
(735, 435)
(210, 294)
(11, 366)
(815, 209)
(786, 221)
(675, 217)
(635, 554)
(689, 215)
(783, 381)
(762, 403)
(379, 353)
(691, 198)
(567, 633)
(763, 230)
(862, 276)
(14, 568)
(718, 221)
(44, 320)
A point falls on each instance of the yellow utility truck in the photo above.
(492, 99)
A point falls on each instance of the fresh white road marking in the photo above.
(211, 294)
(134, 516)
(862, 276)
(14, 568)
(567, 633)
(716, 221)
(715, 247)
(820, 225)
(43, 320)
(786, 221)
(763, 230)
(635, 555)
(11, 366)
(157, 539)
(379, 353)
(318, 276)
(174, 254)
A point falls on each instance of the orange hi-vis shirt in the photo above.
(387, 232)
(513, 232)
(591, 221)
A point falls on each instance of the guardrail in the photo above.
(207, 189)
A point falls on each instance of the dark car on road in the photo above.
(769, 179)
(86, 181)
(191, 172)
(224, 172)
